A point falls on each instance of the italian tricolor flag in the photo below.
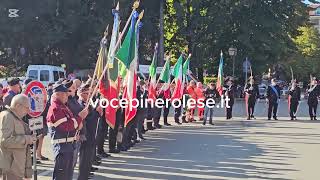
(128, 56)
(178, 75)
(220, 76)
(152, 91)
(165, 76)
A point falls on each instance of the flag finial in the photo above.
(141, 15)
(118, 6)
(106, 31)
(221, 53)
(136, 5)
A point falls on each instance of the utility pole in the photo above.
(161, 40)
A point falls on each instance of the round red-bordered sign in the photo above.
(37, 94)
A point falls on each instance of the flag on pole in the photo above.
(165, 76)
(152, 92)
(178, 75)
(128, 56)
(112, 90)
(220, 76)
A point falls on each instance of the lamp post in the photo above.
(233, 52)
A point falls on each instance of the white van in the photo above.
(45, 73)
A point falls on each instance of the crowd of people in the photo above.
(78, 131)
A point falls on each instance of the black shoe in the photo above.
(97, 158)
(184, 121)
(179, 123)
(151, 128)
(143, 138)
(269, 118)
(93, 169)
(96, 163)
(158, 126)
(211, 123)
(114, 151)
(315, 118)
(91, 174)
(137, 141)
(124, 149)
(292, 119)
(252, 116)
(275, 118)
(104, 155)
(248, 118)
(167, 124)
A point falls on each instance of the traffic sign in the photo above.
(37, 94)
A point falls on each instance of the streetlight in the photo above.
(233, 52)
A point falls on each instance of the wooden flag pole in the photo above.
(95, 70)
(135, 6)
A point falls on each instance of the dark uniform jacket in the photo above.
(313, 93)
(295, 94)
(252, 91)
(273, 96)
(62, 126)
(90, 124)
(230, 91)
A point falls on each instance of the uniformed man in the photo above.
(142, 109)
(166, 108)
(87, 148)
(293, 99)
(63, 128)
(157, 110)
(229, 91)
(313, 93)
(251, 94)
(75, 108)
(14, 88)
(273, 98)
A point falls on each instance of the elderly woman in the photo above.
(15, 138)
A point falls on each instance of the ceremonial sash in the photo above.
(276, 92)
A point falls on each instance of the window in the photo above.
(33, 74)
(55, 76)
(44, 75)
(318, 11)
(61, 74)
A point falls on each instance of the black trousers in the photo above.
(102, 131)
(273, 108)
(229, 111)
(63, 166)
(165, 114)
(85, 160)
(251, 103)
(156, 116)
(150, 117)
(141, 115)
(113, 133)
(313, 109)
(293, 108)
(127, 134)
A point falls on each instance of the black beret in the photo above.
(27, 81)
(13, 81)
(67, 83)
(60, 88)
